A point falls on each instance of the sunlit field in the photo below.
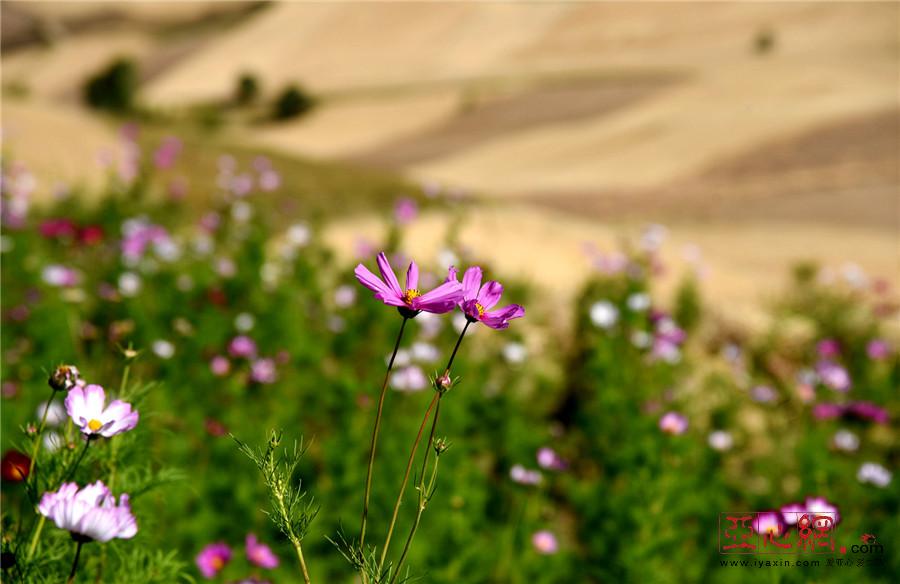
(236, 351)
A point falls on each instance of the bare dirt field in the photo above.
(765, 133)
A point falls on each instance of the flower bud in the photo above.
(441, 445)
(64, 378)
(15, 466)
(443, 383)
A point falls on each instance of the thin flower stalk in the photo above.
(387, 375)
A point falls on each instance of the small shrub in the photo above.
(247, 90)
(113, 88)
(292, 102)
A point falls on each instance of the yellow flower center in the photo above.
(217, 563)
(95, 425)
(480, 309)
(409, 295)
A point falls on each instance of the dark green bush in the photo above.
(247, 90)
(292, 102)
(114, 88)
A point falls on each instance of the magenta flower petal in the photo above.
(489, 295)
(442, 299)
(387, 273)
(471, 282)
(91, 511)
(499, 319)
(382, 291)
(260, 554)
(412, 277)
(213, 558)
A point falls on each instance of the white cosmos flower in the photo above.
(91, 512)
(604, 314)
(88, 410)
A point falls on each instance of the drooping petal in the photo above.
(412, 276)
(490, 294)
(442, 299)
(451, 274)
(471, 282)
(499, 319)
(387, 272)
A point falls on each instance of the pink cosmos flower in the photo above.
(821, 506)
(242, 346)
(86, 408)
(547, 458)
(545, 542)
(867, 411)
(410, 301)
(878, 350)
(673, 423)
(90, 514)
(263, 371)
(791, 512)
(768, 522)
(220, 366)
(167, 153)
(828, 348)
(213, 558)
(478, 300)
(405, 211)
(260, 554)
(834, 376)
(827, 411)
(524, 476)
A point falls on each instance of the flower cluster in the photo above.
(213, 558)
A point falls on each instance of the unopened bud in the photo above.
(441, 445)
(443, 383)
(64, 378)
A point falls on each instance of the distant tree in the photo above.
(764, 42)
(293, 101)
(247, 89)
(114, 87)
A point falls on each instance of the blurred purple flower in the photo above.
(90, 512)
(260, 554)
(263, 371)
(409, 378)
(213, 558)
(545, 542)
(827, 411)
(867, 411)
(768, 522)
(828, 348)
(874, 473)
(763, 394)
(243, 347)
(821, 506)
(165, 156)
(220, 366)
(833, 376)
(269, 180)
(405, 211)
(791, 513)
(548, 459)
(673, 423)
(878, 350)
(523, 476)
(60, 276)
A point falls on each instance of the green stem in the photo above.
(409, 463)
(35, 537)
(37, 440)
(365, 512)
(422, 490)
(75, 562)
(423, 500)
(84, 450)
(295, 541)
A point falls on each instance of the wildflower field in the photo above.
(199, 388)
